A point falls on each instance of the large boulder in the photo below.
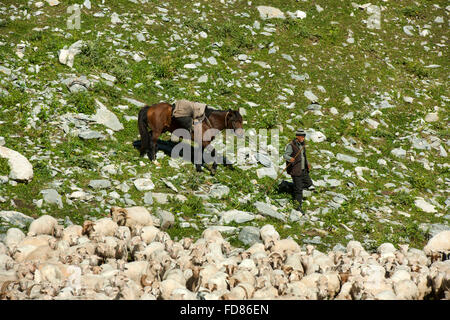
(21, 168)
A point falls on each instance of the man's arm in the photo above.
(288, 152)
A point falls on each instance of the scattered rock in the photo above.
(21, 168)
(267, 210)
(144, 184)
(249, 236)
(52, 196)
(266, 12)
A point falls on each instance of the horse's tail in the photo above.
(143, 130)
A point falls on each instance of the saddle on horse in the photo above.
(186, 113)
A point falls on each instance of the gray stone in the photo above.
(236, 216)
(310, 96)
(263, 159)
(106, 117)
(144, 184)
(15, 218)
(434, 228)
(266, 172)
(77, 84)
(219, 191)
(267, 210)
(90, 134)
(134, 102)
(5, 70)
(267, 12)
(224, 229)
(295, 215)
(249, 235)
(346, 158)
(52, 196)
(20, 168)
(100, 184)
(166, 218)
(148, 198)
(424, 206)
(339, 247)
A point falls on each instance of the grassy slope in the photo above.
(339, 69)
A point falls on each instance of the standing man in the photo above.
(298, 166)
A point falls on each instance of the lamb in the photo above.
(45, 225)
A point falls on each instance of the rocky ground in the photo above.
(373, 100)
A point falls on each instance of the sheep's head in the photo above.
(186, 243)
(88, 228)
(275, 260)
(119, 215)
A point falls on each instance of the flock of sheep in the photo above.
(126, 256)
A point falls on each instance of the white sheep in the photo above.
(439, 243)
(72, 233)
(131, 217)
(45, 225)
(168, 286)
(268, 233)
(136, 269)
(104, 227)
(406, 289)
(148, 234)
(175, 274)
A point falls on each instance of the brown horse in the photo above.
(158, 118)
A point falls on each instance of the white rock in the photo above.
(67, 55)
(236, 216)
(115, 19)
(106, 117)
(21, 168)
(266, 12)
(190, 66)
(432, 117)
(203, 79)
(52, 3)
(87, 4)
(408, 29)
(315, 136)
(348, 101)
(399, 152)
(408, 99)
(310, 96)
(266, 172)
(424, 206)
(144, 184)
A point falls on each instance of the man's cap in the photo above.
(300, 132)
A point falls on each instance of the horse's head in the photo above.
(233, 120)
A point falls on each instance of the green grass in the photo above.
(316, 46)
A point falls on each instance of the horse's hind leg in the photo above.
(154, 145)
